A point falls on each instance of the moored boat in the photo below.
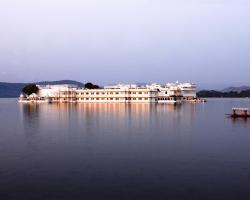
(239, 113)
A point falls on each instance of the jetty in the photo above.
(239, 113)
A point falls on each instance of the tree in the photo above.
(91, 86)
(30, 89)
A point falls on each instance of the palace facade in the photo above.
(155, 93)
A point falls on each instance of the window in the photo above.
(146, 98)
(111, 98)
(139, 98)
(116, 98)
(140, 92)
(97, 98)
(92, 93)
(117, 93)
(111, 92)
(103, 92)
(129, 92)
(134, 98)
(87, 93)
(134, 92)
(87, 98)
(97, 93)
(166, 92)
(145, 92)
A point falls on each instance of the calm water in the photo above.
(119, 151)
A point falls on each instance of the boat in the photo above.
(239, 113)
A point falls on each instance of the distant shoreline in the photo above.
(218, 94)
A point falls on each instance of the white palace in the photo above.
(173, 93)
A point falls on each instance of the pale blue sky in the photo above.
(111, 41)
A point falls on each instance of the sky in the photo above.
(126, 41)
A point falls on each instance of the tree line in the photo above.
(214, 93)
(32, 88)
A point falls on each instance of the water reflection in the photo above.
(92, 120)
(30, 117)
(240, 121)
(95, 118)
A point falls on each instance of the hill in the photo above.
(13, 90)
(237, 92)
(236, 89)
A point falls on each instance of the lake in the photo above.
(124, 151)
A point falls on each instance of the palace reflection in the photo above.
(94, 118)
(30, 117)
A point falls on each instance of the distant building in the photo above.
(173, 93)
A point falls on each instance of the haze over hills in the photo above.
(13, 90)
